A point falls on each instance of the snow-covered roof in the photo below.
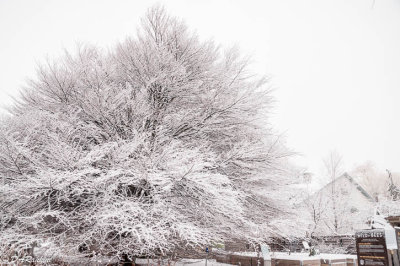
(352, 181)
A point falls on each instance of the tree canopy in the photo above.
(162, 142)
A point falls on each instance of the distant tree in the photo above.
(316, 205)
(389, 203)
(393, 189)
(334, 168)
(373, 181)
(158, 144)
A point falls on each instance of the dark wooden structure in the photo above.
(239, 260)
(296, 245)
(306, 262)
(394, 220)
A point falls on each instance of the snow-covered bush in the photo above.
(331, 249)
(160, 143)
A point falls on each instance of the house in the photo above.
(339, 208)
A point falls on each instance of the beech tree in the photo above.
(160, 143)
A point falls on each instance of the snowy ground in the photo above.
(302, 256)
(213, 262)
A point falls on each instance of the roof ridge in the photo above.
(351, 179)
(358, 186)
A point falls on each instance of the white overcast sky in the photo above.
(335, 64)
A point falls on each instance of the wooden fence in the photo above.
(347, 242)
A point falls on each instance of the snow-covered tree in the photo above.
(158, 144)
(371, 179)
(389, 203)
(333, 165)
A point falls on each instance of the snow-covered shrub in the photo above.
(331, 249)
